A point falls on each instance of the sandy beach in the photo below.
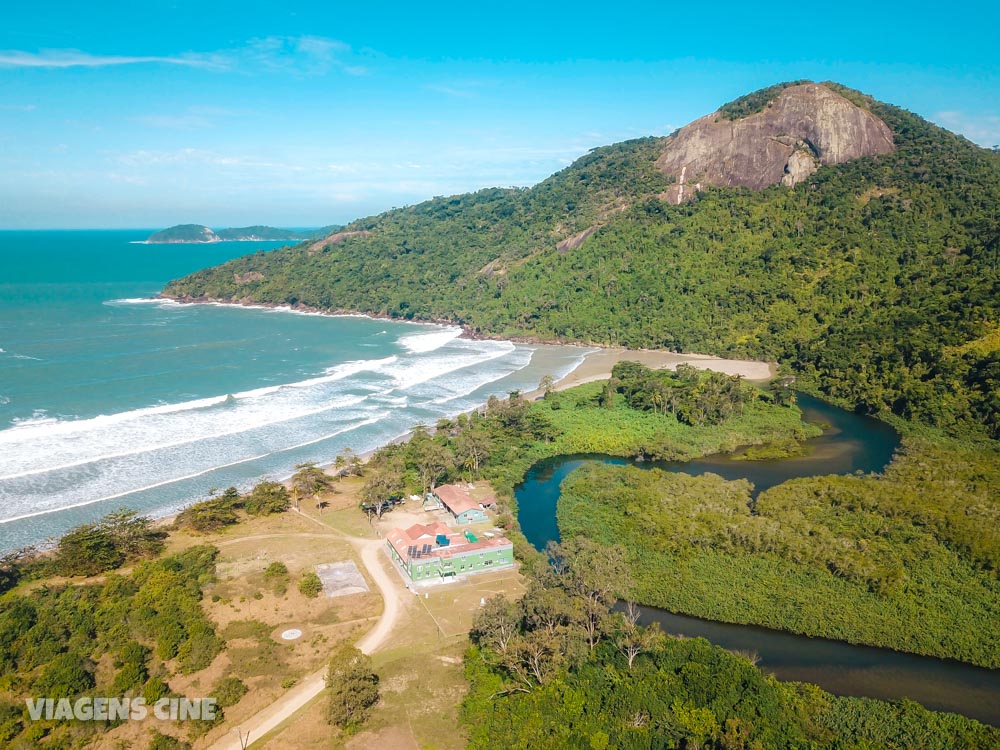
(598, 364)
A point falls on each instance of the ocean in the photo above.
(111, 399)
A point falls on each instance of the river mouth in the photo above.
(852, 443)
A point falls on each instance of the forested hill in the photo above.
(876, 278)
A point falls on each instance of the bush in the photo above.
(161, 741)
(229, 691)
(276, 570)
(208, 516)
(310, 585)
(96, 548)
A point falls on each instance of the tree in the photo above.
(267, 498)
(87, 550)
(10, 571)
(431, 460)
(348, 463)
(208, 515)
(133, 534)
(633, 639)
(547, 385)
(384, 481)
(594, 574)
(96, 548)
(353, 686)
(309, 481)
(496, 625)
(472, 449)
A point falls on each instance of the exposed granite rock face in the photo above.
(804, 127)
(333, 239)
(800, 165)
(572, 243)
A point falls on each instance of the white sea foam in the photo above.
(57, 506)
(478, 377)
(163, 454)
(161, 302)
(408, 375)
(27, 429)
(421, 343)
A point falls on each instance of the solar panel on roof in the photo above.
(411, 551)
(426, 549)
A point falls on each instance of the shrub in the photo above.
(229, 691)
(310, 585)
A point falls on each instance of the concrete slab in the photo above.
(341, 578)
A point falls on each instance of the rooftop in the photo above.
(422, 535)
(457, 498)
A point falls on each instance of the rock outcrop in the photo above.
(803, 127)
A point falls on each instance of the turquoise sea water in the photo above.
(109, 399)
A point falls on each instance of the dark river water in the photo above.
(852, 443)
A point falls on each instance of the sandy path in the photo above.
(309, 687)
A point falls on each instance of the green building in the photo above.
(428, 551)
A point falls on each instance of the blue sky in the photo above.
(128, 114)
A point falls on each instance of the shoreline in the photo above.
(595, 367)
(213, 242)
(595, 364)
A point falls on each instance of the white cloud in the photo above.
(309, 55)
(306, 55)
(70, 58)
(983, 129)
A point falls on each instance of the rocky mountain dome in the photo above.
(802, 127)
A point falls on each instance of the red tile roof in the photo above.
(420, 534)
(456, 498)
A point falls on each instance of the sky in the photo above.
(148, 114)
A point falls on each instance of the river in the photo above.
(852, 443)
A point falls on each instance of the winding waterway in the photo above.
(852, 443)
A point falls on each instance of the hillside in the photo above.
(183, 233)
(196, 233)
(875, 279)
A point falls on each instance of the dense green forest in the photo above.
(877, 281)
(120, 636)
(123, 634)
(560, 669)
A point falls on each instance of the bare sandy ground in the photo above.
(598, 364)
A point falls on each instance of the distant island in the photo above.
(196, 233)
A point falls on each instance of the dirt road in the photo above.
(375, 563)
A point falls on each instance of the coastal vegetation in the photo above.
(876, 281)
(502, 440)
(861, 559)
(560, 669)
(218, 512)
(115, 636)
